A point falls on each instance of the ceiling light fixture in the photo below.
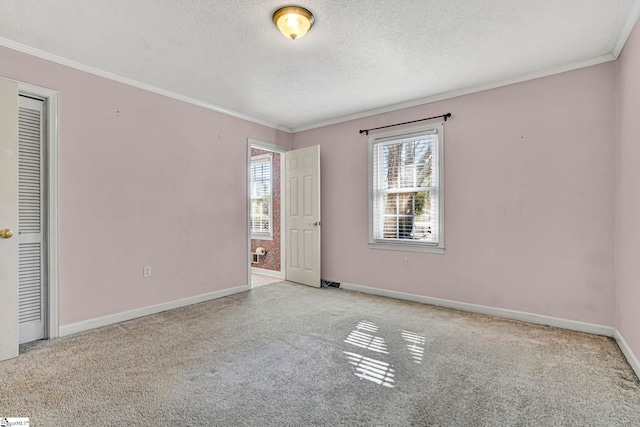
(293, 21)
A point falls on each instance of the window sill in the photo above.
(407, 247)
(261, 237)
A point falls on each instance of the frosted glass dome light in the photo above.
(293, 21)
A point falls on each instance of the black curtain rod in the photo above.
(445, 116)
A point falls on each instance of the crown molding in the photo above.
(130, 82)
(632, 19)
(460, 92)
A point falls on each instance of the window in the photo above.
(261, 191)
(406, 190)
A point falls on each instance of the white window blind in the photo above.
(406, 190)
(261, 195)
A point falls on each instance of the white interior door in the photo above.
(302, 222)
(8, 219)
(31, 201)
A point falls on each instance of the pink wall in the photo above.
(271, 260)
(529, 205)
(627, 195)
(144, 180)
(529, 175)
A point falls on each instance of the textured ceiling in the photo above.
(361, 55)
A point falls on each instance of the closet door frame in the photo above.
(51, 216)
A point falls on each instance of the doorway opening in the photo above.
(265, 213)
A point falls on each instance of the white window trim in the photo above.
(412, 246)
(264, 235)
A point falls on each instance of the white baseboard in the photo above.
(145, 311)
(278, 274)
(628, 353)
(538, 319)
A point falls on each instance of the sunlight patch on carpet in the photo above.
(367, 341)
(415, 344)
(372, 370)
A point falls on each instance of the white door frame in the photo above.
(278, 149)
(50, 98)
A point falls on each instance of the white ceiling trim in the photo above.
(447, 95)
(466, 91)
(100, 73)
(633, 18)
(627, 29)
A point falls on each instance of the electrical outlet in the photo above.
(146, 271)
(407, 263)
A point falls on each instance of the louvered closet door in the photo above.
(31, 277)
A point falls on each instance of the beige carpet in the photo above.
(290, 355)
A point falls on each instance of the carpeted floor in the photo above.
(290, 355)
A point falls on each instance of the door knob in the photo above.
(314, 223)
(6, 233)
